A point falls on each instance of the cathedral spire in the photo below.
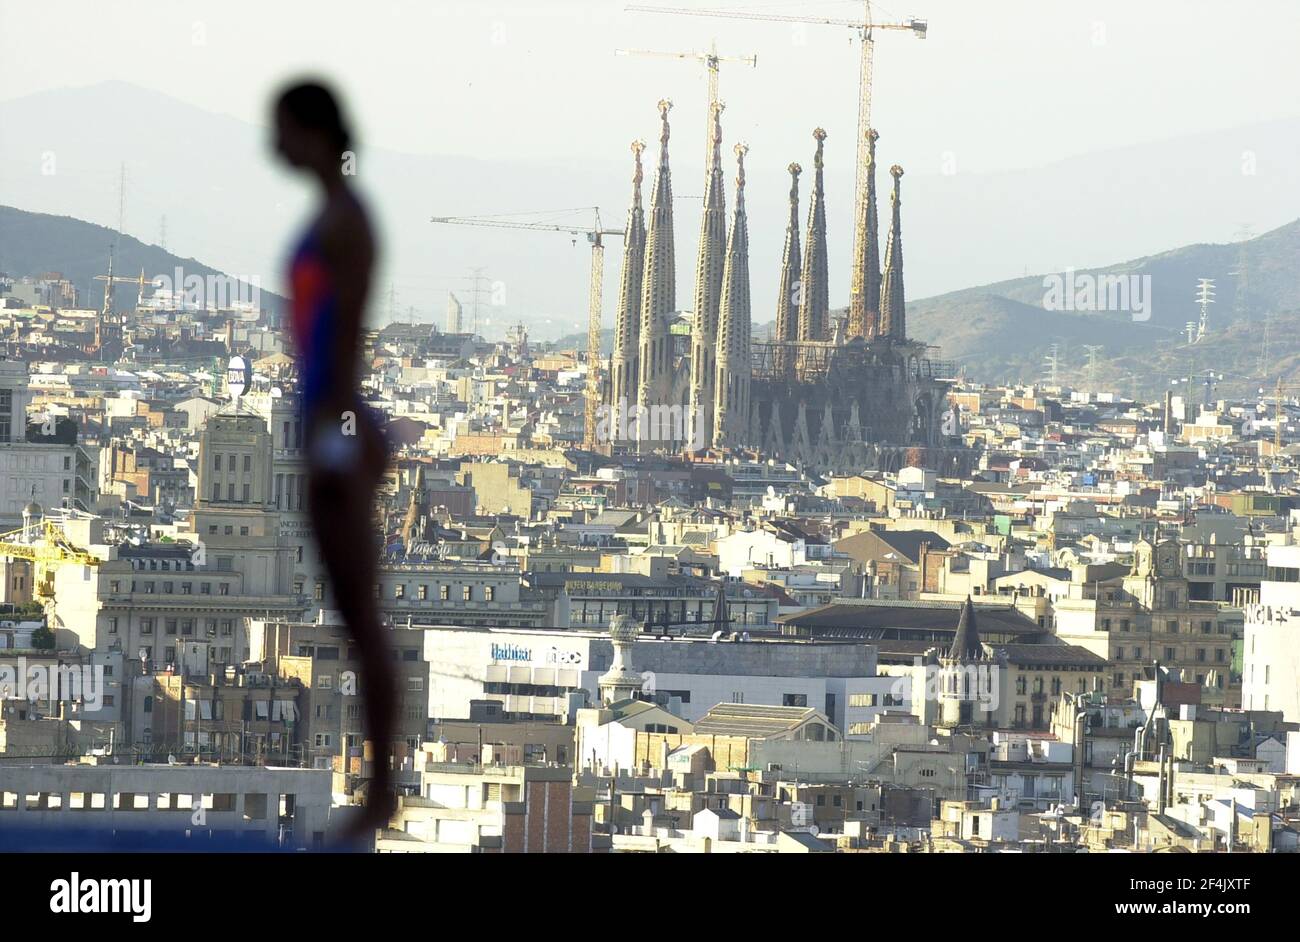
(624, 373)
(732, 413)
(708, 286)
(658, 297)
(893, 317)
(787, 302)
(864, 295)
(814, 309)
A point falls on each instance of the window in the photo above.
(248, 462)
(794, 699)
(146, 626)
(467, 593)
(489, 592)
(422, 592)
(399, 591)
(216, 462)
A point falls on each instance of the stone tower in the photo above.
(658, 299)
(708, 289)
(893, 316)
(864, 294)
(814, 290)
(732, 423)
(624, 370)
(963, 672)
(787, 302)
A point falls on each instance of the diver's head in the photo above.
(310, 131)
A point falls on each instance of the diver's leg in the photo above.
(341, 510)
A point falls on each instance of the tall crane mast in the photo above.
(865, 28)
(1279, 416)
(711, 60)
(595, 235)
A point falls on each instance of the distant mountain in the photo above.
(35, 243)
(1005, 331)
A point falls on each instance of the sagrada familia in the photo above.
(832, 394)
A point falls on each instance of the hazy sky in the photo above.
(999, 84)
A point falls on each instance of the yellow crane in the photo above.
(711, 60)
(1278, 415)
(865, 28)
(46, 547)
(595, 235)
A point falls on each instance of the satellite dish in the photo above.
(239, 376)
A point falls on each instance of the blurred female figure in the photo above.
(345, 449)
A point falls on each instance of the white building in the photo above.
(747, 549)
(1271, 658)
(541, 673)
(54, 475)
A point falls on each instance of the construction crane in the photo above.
(595, 235)
(46, 547)
(712, 60)
(865, 28)
(1278, 414)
